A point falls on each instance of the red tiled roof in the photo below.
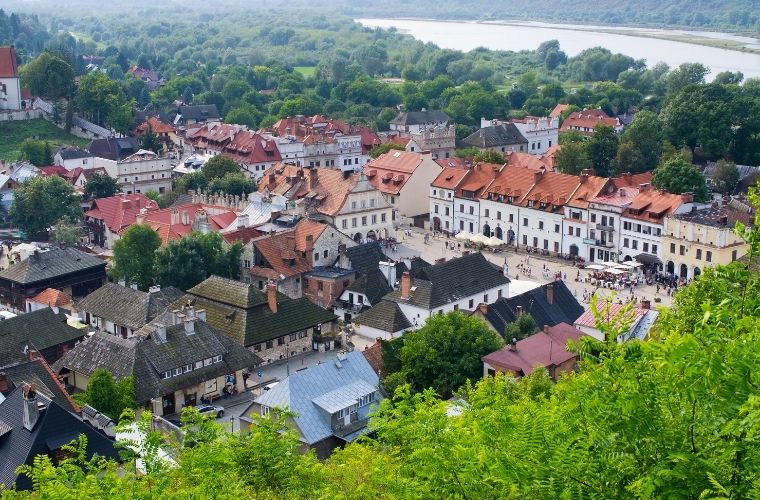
(213, 135)
(161, 220)
(142, 73)
(8, 64)
(478, 177)
(588, 118)
(533, 162)
(52, 298)
(120, 211)
(243, 235)
(590, 186)
(632, 180)
(294, 183)
(449, 178)
(156, 126)
(633, 315)
(558, 109)
(652, 205)
(251, 148)
(286, 252)
(390, 171)
(547, 348)
(53, 170)
(374, 356)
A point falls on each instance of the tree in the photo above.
(150, 141)
(103, 101)
(107, 395)
(40, 202)
(100, 186)
(468, 152)
(47, 154)
(729, 77)
(186, 262)
(679, 176)
(686, 74)
(67, 232)
(602, 149)
(726, 177)
(48, 76)
(218, 167)
(235, 184)
(572, 158)
(445, 353)
(524, 326)
(68, 121)
(381, 149)
(133, 256)
(241, 115)
(489, 156)
(34, 152)
(641, 144)
(187, 95)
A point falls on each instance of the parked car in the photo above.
(210, 410)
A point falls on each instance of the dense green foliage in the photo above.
(674, 417)
(108, 395)
(48, 75)
(101, 186)
(133, 256)
(522, 327)
(679, 176)
(186, 262)
(40, 202)
(67, 231)
(235, 184)
(219, 166)
(14, 133)
(38, 153)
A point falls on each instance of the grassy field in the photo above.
(306, 71)
(12, 134)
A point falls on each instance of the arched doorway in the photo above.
(684, 271)
(499, 233)
(671, 267)
(436, 224)
(510, 237)
(697, 272)
(627, 258)
(486, 230)
(371, 235)
(358, 237)
(574, 250)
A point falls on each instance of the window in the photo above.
(207, 362)
(456, 307)
(353, 222)
(486, 213)
(187, 368)
(270, 344)
(316, 256)
(485, 298)
(177, 371)
(499, 294)
(556, 228)
(345, 224)
(365, 400)
(556, 246)
(167, 375)
(525, 239)
(393, 199)
(578, 232)
(733, 255)
(374, 219)
(319, 285)
(645, 247)
(569, 231)
(525, 221)
(447, 211)
(303, 334)
(672, 248)
(364, 220)
(281, 341)
(199, 364)
(593, 217)
(708, 256)
(634, 244)
(535, 241)
(382, 216)
(540, 225)
(435, 193)
(498, 215)
(264, 411)
(372, 202)
(654, 248)
(699, 254)
(546, 244)
(435, 209)
(461, 207)
(218, 359)
(511, 218)
(681, 250)
(353, 205)
(472, 303)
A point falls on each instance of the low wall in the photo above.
(24, 114)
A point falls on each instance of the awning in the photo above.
(648, 258)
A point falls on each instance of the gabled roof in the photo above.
(452, 281)
(113, 148)
(588, 118)
(155, 125)
(38, 330)
(389, 172)
(200, 112)
(72, 153)
(127, 307)
(652, 205)
(450, 177)
(477, 178)
(54, 428)
(51, 264)
(373, 285)
(322, 389)
(385, 316)
(365, 258)
(8, 64)
(169, 228)
(52, 297)
(374, 356)
(717, 216)
(537, 189)
(546, 348)
(420, 117)
(563, 309)
(120, 211)
(39, 373)
(230, 292)
(505, 134)
(558, 109)
(327, 188)
(285, 252)
(250, 148)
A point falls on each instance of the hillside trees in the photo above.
(48, 75)
(40, 202)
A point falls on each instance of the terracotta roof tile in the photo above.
(120, 211)
(588, 118)
(652, 205)
(8, 64)
(294, 183)
(250, 147)
(156, 126)
(449, 178)
(52, 297)
(161, 220)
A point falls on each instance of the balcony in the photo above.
(349, 307)
(604, 243)
(604, 227)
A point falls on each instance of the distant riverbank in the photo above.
(718, 51)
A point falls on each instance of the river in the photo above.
(516, 36)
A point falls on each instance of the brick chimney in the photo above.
(272, 179)
(272, 297)
(644, 187)
(587, 172)
(406, 285)
(31, 412)
(546, 329)
(126, 203)
(313, 178)
(550, 293)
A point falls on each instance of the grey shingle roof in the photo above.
(451, 281)
(127, 307)
(501, 135)
(34, 372)
(40, 329)
(365, 258)
(385, 316)
(199, 112)
(373, 285)
(72, 153)
(231, 292)
(51, 264)
(564, 309)
(55, 427)
(101, 350)
(420, 117)
(326, 383)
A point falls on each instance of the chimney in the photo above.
(587, 172)
(185, 218)
(512, 346)
(537, 175)
(126, 203)
(161, 332)
(272, 297)
(687, 197)
(271, 179)
(175, 217)
(200, 314)
(154, 289)
(31, 410)
(3, 382)
(313, 178)
(406, 285)
(242, 221)
(519, 311)
(483, 308)
(645, 304)
(175, 313)
(140, 217)
(546, 329)
(179, 318)
(644, 187)
(189, 325)
(133, 286)
(550, 293)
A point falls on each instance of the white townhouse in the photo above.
(541, 132)
(467, 210)
(442, 191)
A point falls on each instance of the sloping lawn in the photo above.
(13, 133)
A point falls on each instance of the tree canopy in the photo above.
(42, 201)
(101, 186)
(218, 167)
(679, 176)
(133, 256)
(48, 75)
(108, 395)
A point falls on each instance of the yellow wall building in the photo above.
(702, 237)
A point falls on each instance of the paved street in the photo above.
(414, 245)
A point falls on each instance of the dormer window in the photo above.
(510, 199)
(542, 205)
(530, 204)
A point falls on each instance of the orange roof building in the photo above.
(585, 121)
(9, 79)
(175, 222)
(403, 177)
(107, 217)
(50, 297)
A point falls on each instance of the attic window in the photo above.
(511, 199)
(230, 317)
(541, 205)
